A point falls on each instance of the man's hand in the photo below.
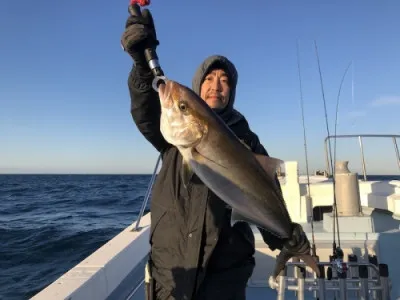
(139, 34)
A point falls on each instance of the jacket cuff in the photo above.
(140, 79)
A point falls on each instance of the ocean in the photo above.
(49, 223)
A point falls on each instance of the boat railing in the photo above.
(363, 280)
(360, 141)
(147, 195)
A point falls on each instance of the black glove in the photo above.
(139, 34)
(299, 242)
(271, 240)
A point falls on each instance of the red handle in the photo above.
(140, 2)
(134, 6)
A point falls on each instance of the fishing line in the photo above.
(314, 250)
(330, 153)
(352, 90)
(352, 83)
(334, 140)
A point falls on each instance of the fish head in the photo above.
(181, 122)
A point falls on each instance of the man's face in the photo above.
(215, 89)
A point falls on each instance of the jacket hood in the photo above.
(228, 114)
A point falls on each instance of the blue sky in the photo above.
(64, 102)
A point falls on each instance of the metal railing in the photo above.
(359, 136)
(147, 195)
(362, 280)
(360, 141)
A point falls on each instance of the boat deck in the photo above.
(116, 268)
(255, 293)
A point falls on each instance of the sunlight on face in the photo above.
(215, 89)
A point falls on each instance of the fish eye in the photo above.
(182, 106)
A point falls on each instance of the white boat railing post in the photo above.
(342, 286)
(147, 195)
(321, 289)
(354, 273)
(363, 273)
(300, 282)
(279, 284)
(282, 285)
(384, 281)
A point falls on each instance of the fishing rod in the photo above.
(159, 78)
(337, 109)
(336, 250)
(314, 248)
(335, 140)
(337, 255)
(149, 53)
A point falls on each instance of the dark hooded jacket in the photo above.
(190, 233)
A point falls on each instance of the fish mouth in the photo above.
(161, 90)
(164, 93)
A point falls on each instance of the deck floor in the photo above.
(259, 293)
(253, 293)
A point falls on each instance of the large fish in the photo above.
(243, 180)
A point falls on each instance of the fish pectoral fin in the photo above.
(200, 158)
(269, 164)
(186, 172)
(237, 217)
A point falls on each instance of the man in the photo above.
(195, 253)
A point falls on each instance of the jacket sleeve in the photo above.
(145, 107)
(271, 240)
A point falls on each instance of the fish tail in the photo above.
(298, 246)
(310, 261)
(284, 257)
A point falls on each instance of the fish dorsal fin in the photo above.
(269, 164)
(186, 172)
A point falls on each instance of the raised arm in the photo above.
(139, 34)
(145, 107)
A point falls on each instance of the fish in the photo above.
(245, 181)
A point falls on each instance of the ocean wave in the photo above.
(48, 224)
